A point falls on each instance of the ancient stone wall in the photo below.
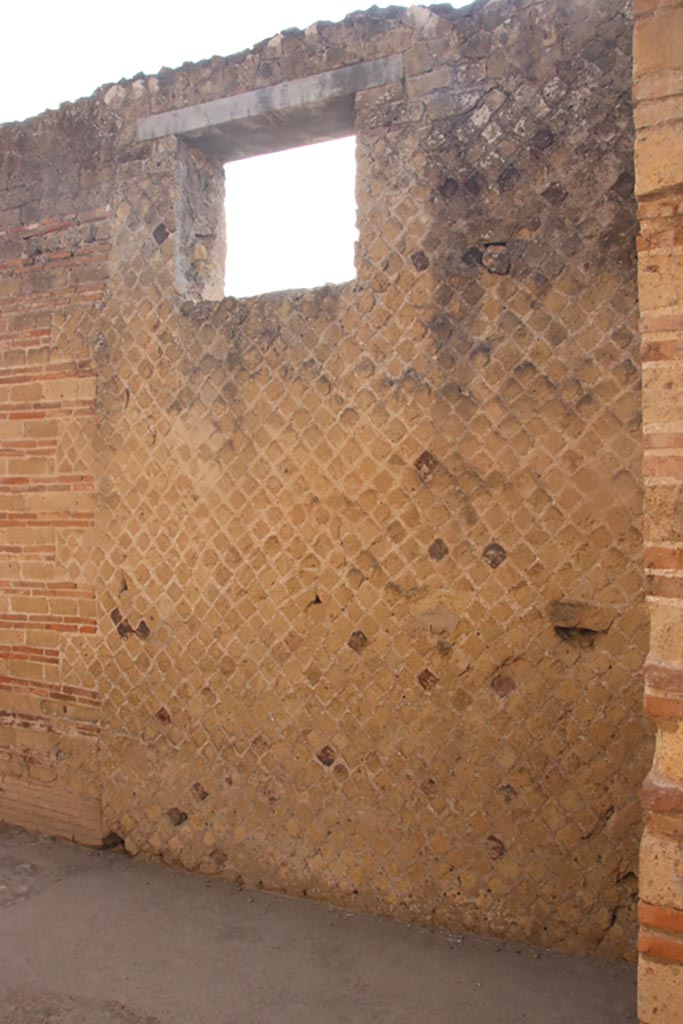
(658, 93)
(339, 592)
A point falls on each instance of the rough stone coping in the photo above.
(299, 112)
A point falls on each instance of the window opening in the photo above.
(290, 218)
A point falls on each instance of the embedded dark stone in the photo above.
(427, 679)
(472, 256)
(160, 234)
(163, 716)
(426, 464)
(199, 792)
(326, 756)
(494, 554)
(475, 184)
(176, 816)
(503, 685)
(358, 641)
(542, 138)
(496, 847)
(420, 260)
(437, 550)
(448, 187)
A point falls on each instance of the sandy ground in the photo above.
(96, 938)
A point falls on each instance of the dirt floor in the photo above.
(96, 938)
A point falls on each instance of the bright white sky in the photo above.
(56, 50)
(290, 218)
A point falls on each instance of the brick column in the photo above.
(658, 101)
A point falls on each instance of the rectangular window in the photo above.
(290, 218)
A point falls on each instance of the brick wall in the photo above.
(369, 620)
(658, 88)
(54, 245)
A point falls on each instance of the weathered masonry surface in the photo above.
(658, 102)
(338, 592)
